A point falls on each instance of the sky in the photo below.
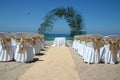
(99, 16)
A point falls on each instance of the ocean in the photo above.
(52, 36)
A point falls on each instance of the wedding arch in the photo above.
(73, 18)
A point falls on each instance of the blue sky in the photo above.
(100, 16)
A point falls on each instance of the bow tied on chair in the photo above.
(35, 38)
(21, 47)
(4, 41)
(23, 43)
(113, 47)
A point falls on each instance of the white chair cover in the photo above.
(60, 41)
(40, 44)
(82, 48)
(42, 41)
(76, 44)
(11, 50)
(29, 51)
(107, 56)
(37, 47)
(93, 50)
(73, 45)
(7, 53)
(108, 59)
(26, 56)
(91, 55)
(118, 54)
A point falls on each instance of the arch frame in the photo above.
(73, 18)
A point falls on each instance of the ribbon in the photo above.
(4, 41)
(112, 48)
(21, 48)
(97, 43)
(22, 45)
(35, 39)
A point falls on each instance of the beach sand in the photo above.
(56, 65)
(13, 70)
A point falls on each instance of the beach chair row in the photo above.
(96, 48)
(20, 46)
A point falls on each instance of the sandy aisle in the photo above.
(57, 64)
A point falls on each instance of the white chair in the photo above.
(42, 41)
(110, 57)
(118, 54)
(59, 41)
(24, 40)
(39, 42)
(6, 49)
(92, 49)
(82, 45)
(26, 55)
(118, 46)
(37, 46)
(76, 44)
